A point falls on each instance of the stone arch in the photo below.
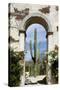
(43, 20)
(36, 18)
(39, 18)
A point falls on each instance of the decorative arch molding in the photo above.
(43, 20)
(36, 18)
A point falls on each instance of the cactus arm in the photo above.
(33, 58)
(35, 47)
(31, 48)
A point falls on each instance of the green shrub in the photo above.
(15, 69)
(53, 58)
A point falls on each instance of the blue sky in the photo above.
(41, 33)
(41, 36)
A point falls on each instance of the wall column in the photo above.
(50, 48)
(22, 47)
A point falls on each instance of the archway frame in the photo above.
(32, 15)
(37, 18)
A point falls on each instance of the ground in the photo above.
(35, 80)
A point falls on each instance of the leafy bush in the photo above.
(53, 58)
(15, 69)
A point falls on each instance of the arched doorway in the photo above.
(42, 20)
(40, 50)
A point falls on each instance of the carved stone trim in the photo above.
(19, 14)
(22, 32)
(57, 8)
(57, 28)
(12, 40)
(49, 33)
(45, 10)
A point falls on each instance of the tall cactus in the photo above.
(34, 58)
(35, 47)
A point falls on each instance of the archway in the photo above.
(41, 49)
(42, 20)
(38, 18)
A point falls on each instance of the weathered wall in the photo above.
(20, 13)
(51, 14)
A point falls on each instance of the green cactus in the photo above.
(35, 47)
(34, 58)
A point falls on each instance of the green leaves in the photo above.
(53, 60)
(35, 47)
(15, 70)
(52, 56)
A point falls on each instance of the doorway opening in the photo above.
(37, 50)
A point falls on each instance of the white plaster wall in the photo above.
(52, 17)
(14, 33)
(55, 38)
(50, 43)
(15, 46)
(21, 42)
